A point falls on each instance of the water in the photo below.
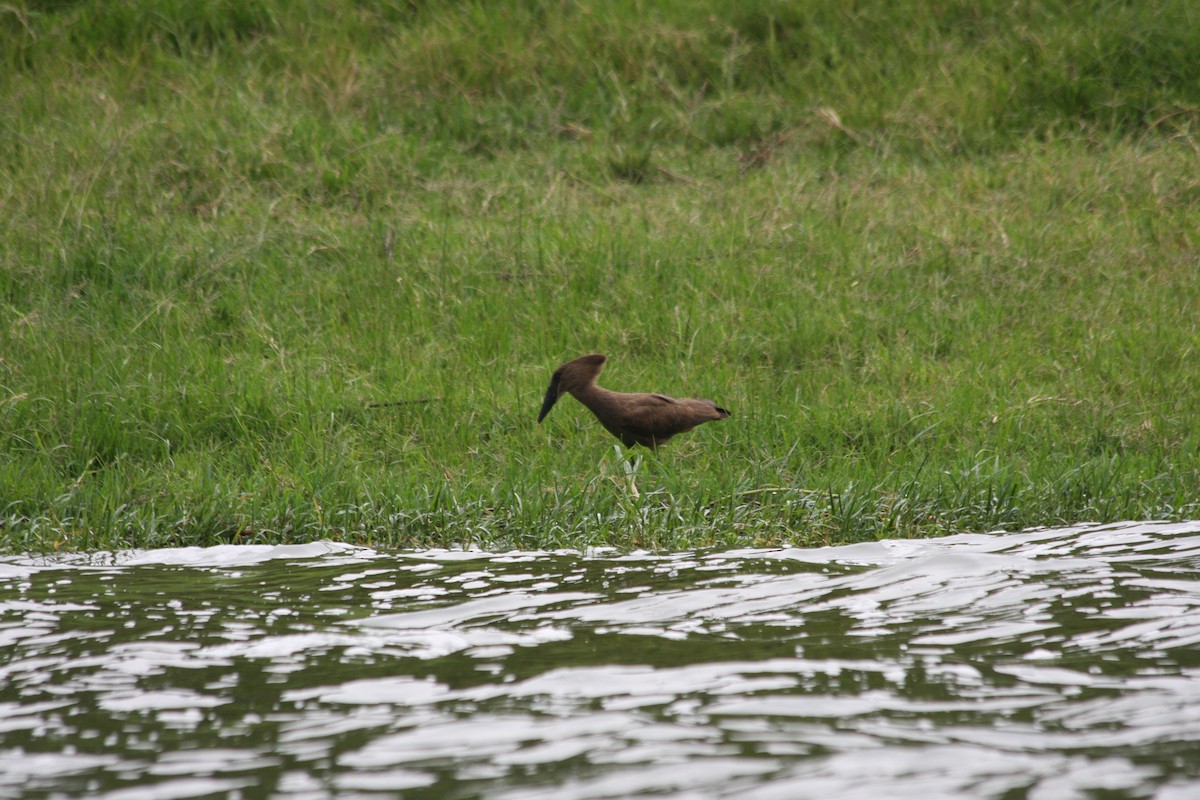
(1049, 664)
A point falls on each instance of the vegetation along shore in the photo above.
(288, 271)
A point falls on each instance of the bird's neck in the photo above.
(597, 399)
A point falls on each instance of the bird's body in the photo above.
(633, 417)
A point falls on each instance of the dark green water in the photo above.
(1048, 664)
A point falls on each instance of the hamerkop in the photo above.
(634, 418)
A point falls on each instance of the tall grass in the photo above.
(939, 258)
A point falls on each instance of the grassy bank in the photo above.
(939, 259)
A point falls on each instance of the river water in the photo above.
(1046, 664)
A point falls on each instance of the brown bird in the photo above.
(634, 418)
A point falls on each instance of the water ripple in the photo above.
(1044, 664)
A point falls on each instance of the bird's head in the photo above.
(570, 377)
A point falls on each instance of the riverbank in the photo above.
(939, 261)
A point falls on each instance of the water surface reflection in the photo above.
(1046, 664)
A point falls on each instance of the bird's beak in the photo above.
(551, 397)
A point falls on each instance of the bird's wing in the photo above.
(656, 416)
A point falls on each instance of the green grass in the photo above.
(939, 258)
